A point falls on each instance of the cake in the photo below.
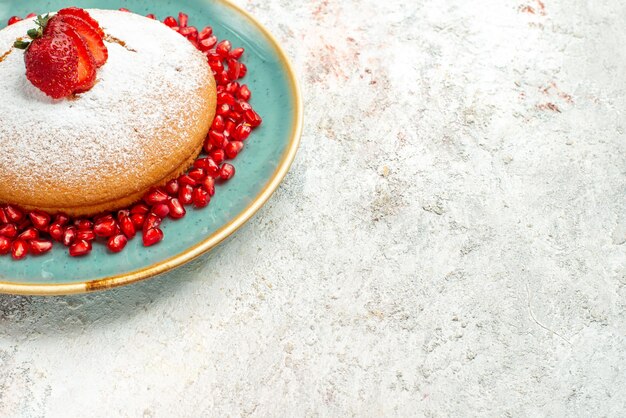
(142, 123)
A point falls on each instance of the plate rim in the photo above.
(43, 289)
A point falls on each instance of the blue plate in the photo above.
(261, 167)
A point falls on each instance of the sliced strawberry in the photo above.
(92, 38)
(52, 65)
(81, 13)
(86, 64)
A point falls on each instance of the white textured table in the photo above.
(450, 241)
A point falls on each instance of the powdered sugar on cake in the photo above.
(144, 82)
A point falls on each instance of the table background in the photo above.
(449, 242)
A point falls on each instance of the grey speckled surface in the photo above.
(450, 241)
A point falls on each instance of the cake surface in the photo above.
(143, 123)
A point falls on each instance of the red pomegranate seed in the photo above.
(3, 217)
(237, 53)
(126, 225)
(139, 208)
(152, 236)
(172, 187)
(207, 146)
(5, 245)
(69, 236)
(218, 123)
(19, 249)
(105, 227)
(252, 118)
(189, 32)
(177, 210)
(40, 219)
(243, 70)
(85, 235)
(14, 214)
(227, 171)
(13, 20)
(242, 132)
(209, 185)
(117, 243)
(28, 16)
(223, 48)
(201, 197)
(182, 19)
(233, 148)
(124, 9)
(186, 180)
(138, 219)
(197, 174)
(39, 246)
(28, 234)
(205, 33)
(185, 194)
(232, 87)
(151, 16)
(156, 196)
(211, 167)
(80, 248)
(242, 106)
(244, 93)
(170, 21)
(234, 69)
(217, 66)
(56, 232)
(62, 219)
(218, 156)
(161, 210)
(25, 223)
(83, 224)
(8, 230)
(216, 139)
(222, 78)
(223, 109)
(151, 221)
(205, 44)
(226, 97)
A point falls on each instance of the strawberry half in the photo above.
(86, 62)
(81, 13)
(93, 40)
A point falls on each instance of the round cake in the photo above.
(142, 124)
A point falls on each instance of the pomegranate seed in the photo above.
(172, 187)
(175, 28)
(5, 245)
(244, 93)
(83, 224)
(218, 123)
(62, 219)
(19, 249)
(223, 48)
(252, 118)
(229, 126)
(233, 148)
(209, 185)
(186, 180)
(211, 167)
(218, 156)
(185, 194)
(170, 21)
(117, 243)
(3, 217)
(105, 227)
(225, 97)
(139, 208)
(28, 234)
(156, 196)
(222, 78)
(190, 32)
(217, 66)
(201, 197)
(205, 33)
(39, 246)
(80, 248)
(152, 236)
(242, 106)
(126, 225)
(30, 15)
(243, 70)
(25, 223)
(237, 53)
(13, 213)
(197, 174)
(207, 147)
(205, 44)
(234, 69)
(69, 236)
(8, 230)
(85, 235)
(124, 9)
(13, 20)
(177, 210)
(242, 132)
(56, 232)
(40, 219)
(182, 19)
(216, 139)
(232, 87)
(138, 219)
(223, 109)
(161, 210)
(151, 221)
(227, 171)
(151, 16)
